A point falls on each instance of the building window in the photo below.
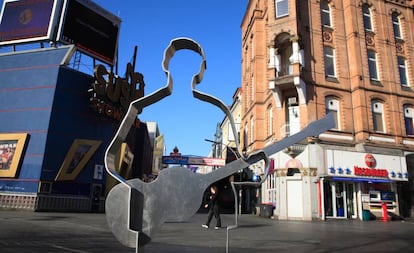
(252, 89)
(378, 116)
(329, 61)
(252, 55)
(247, 96)
(282, 8)
(332, 106)
(270, 120)
(325, 14)
(246, 62)
(396, 25)
(366, 12)
(372, 65)
(252, 130)
(286, 68)
(284, 51)
(292, 172)
(408, 120)
(402, 69)
(245, 136)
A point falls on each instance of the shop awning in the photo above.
(362, 179)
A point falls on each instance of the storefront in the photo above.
(355, 182)
(321, 182)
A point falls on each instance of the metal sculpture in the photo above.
(135, 210)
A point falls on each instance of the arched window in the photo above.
(367, 16)
(378, 116)
(284, 52)
(396, 25)
(332, 106)
(325, 14)
(409, 119)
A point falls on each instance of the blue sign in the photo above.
(182, 160)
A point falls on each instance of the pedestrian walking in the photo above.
(214, 208)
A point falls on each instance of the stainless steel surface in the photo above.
(136, 210)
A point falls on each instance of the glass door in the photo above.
(340, 199)
(351, 200)
(335, 197)
(327, 196)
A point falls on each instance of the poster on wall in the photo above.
(11, 150)
(98, 172)
(78, 155)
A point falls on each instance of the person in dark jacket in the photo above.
(213, 204)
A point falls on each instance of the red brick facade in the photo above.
(286, 70)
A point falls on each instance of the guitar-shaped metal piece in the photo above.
(135, 210)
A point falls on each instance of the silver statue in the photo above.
(135, 210)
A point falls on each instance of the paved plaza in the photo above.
(24, 231)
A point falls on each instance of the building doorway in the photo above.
(294, 199)
(340, 200)
(406, 190)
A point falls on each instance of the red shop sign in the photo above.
(370, 160)
(369, 172)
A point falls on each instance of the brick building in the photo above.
(354, 58)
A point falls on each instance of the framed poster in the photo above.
(78, 155)
(11, 150)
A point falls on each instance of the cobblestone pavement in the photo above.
(24, 231)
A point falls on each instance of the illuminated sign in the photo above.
(90, 28)
(27, 20)
(111, 95)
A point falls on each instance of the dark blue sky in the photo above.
(151, 25)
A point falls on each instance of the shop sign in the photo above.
(207, 161)
(183, 160)
(370, 160)
(365, 165)
(370, 172)
(111, 95)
